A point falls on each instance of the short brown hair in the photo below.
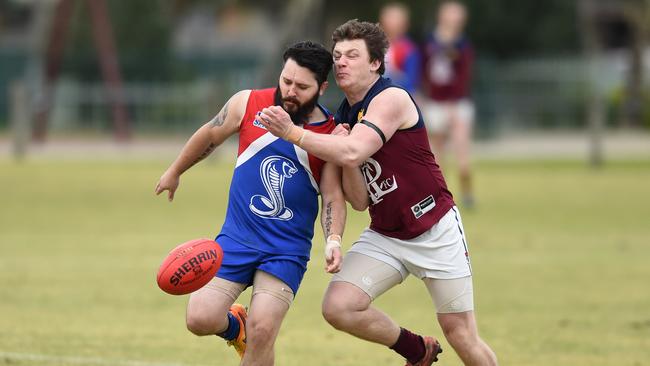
(372, 34)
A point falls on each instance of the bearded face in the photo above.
(297, 110)
(298, 91)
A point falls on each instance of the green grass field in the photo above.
(560, 253)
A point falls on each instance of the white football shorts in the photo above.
(438, 115)
(441, 252)
(439, 257)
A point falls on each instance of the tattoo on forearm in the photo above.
(205, 153)
(328, 219)
(220, 117)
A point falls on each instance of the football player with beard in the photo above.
(273, 203)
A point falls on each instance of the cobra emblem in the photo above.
(274, 170)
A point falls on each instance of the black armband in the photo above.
(374, 127)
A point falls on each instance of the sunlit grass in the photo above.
(560, 255)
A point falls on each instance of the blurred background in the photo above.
(98, 96)
(137, 69)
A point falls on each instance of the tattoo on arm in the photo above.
(220, 117)
(205, 154)
(328, 219)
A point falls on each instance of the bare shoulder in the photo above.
(393, 93)
(394, 104)
(233, 111)
(241, 98)
(238, 103)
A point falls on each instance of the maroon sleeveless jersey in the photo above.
(408, 194)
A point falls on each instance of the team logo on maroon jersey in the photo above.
(377, 189)
(361, 114)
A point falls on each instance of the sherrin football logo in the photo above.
(191, 265)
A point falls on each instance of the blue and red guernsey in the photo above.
(273, 200)
(403, 64)
(408, 194)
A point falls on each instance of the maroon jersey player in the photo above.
(447, 105)
(415, 227)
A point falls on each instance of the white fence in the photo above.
(151, 106)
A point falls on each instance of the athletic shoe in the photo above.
(239, 312)
(432, 348)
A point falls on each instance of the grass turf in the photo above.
(560, 255)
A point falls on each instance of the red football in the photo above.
(190, 266)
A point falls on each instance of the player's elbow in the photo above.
(352, 158)
(359, 206)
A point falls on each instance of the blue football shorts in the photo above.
(240, 263)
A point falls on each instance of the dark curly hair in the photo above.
(313, 56)
(371, 33)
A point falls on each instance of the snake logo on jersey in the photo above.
(274, 170)
(273, 198)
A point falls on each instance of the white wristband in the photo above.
(333, 241)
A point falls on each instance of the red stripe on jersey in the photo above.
(249, 131)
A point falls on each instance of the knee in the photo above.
(469, 345)
(259, 333)
(336, 312)
(201, 324)
(195, 324)
(459, 337)
(455, 335)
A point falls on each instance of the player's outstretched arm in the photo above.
(332, 216)
(389, 111)
(204, 141)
